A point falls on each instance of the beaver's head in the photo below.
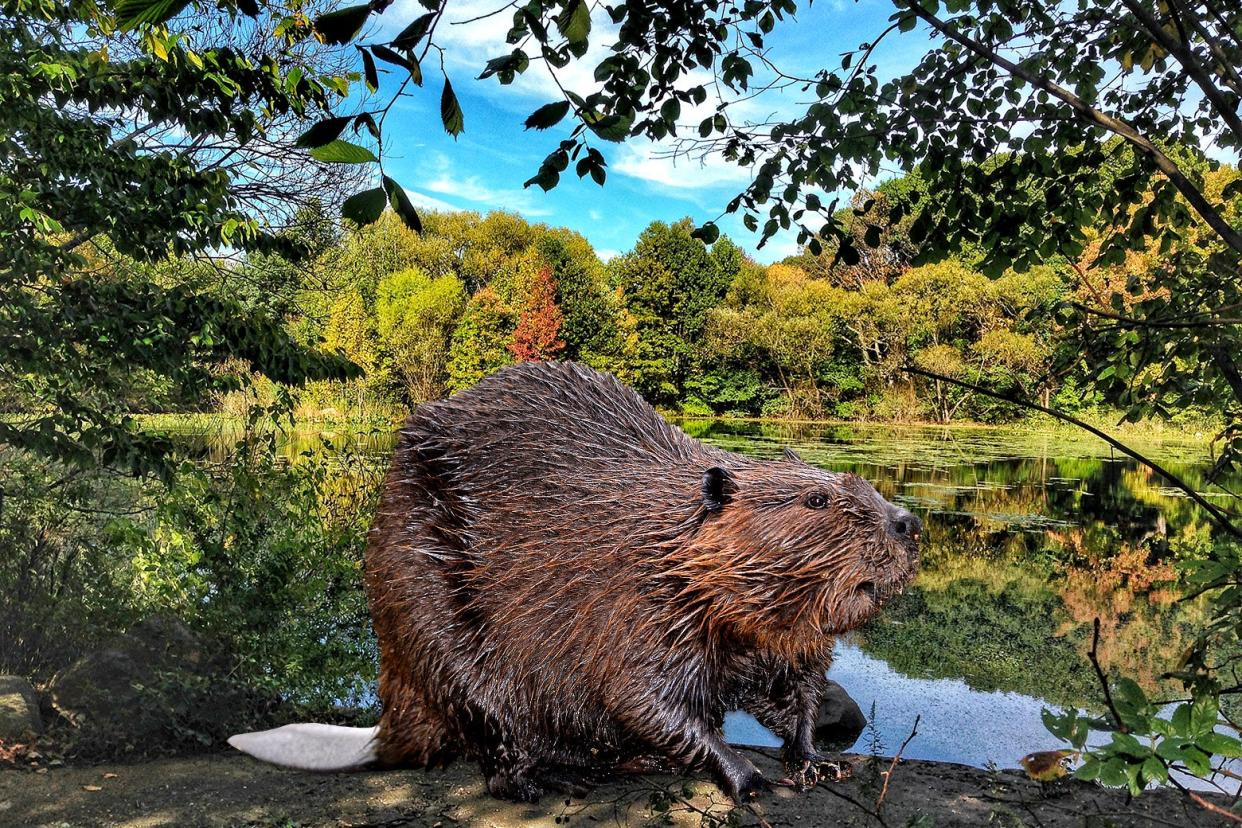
(788, 552)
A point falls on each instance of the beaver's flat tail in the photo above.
(313, 747)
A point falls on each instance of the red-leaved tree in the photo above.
(535, 338)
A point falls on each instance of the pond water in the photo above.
(1029, 537)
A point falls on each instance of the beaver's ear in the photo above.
(718, 488)
(791, 455)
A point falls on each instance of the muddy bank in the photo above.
(230, 790)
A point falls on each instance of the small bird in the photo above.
(1047, 765)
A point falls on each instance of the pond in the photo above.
(1029, 537)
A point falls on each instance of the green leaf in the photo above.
(1154, 770)
(575, 21)
(365, 207)
(131, 13)
(324, 132)
(341, 26)
(1221, 745)
(547, 115)
(708, 233)
(1203, 714)
(1113, 773)
(450, 111)
(369, 74)
(402, 206)
(1088, 770)
(414, 32)
(611, 127)
(407, 62)
(343, 152)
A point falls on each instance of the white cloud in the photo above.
(607, 254)
(426, 202)
(648, 162)
(471, 35)
(473, 189)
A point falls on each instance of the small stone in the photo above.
(840, 719)
(109, 776)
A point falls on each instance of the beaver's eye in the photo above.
(816, 501)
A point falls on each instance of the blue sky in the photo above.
(484, 168)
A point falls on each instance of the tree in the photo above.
(480, 344)
(669, 283)
(589, 308)
(539, 325)
(791, 326)
(415, 315)
(122, 148)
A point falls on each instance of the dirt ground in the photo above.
(232, 790)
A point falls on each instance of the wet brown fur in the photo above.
(560, 580)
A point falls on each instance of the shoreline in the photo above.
(1146, 431)
(228, 789)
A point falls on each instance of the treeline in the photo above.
(697, 330)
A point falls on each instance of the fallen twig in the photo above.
(888, 775)
(1214, 808)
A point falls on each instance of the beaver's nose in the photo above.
(904, 524)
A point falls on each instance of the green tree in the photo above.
(790, 327)
(589, 326)
(669, 283)
(480, 342)
(415, 316)
(121, 147)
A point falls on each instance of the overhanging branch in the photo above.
(1220, 518)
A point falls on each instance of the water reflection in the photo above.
(1029, 537)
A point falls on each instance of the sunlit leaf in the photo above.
(343, 152)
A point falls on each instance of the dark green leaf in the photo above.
(369, 74)
(575, 21)
(365, 207)
(406, 62)
(547, 115)
(450, 111)
(708, 233)
(132, 13)
(413, 33)
(612, 127)
(324, 132)
(341, 26)
(402, 206)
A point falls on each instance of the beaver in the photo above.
(561, 581)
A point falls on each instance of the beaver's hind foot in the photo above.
(530, 783)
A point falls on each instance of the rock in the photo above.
(840, 719)
(147, 690)
(19, 709)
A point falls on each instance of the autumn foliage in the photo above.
(536, 337)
